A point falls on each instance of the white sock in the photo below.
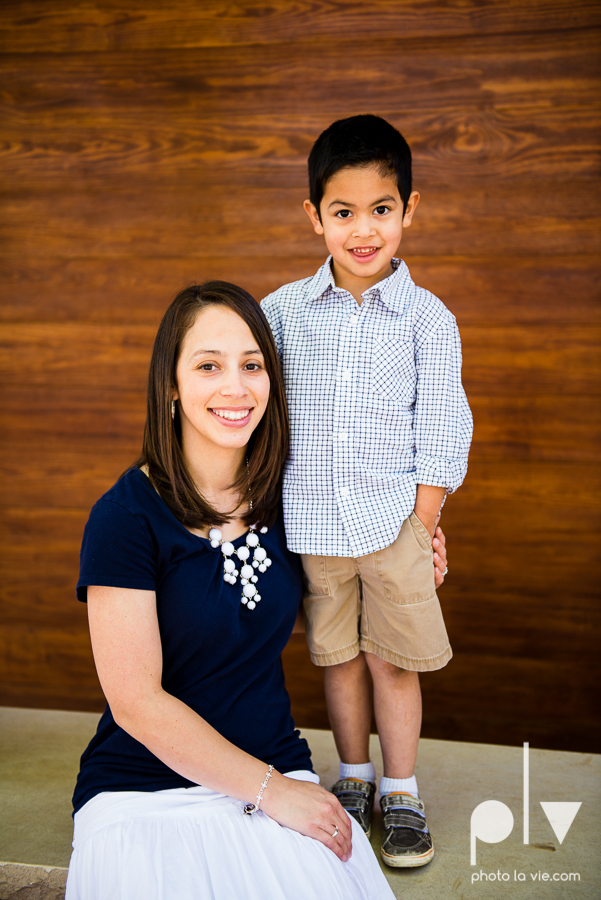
(398, 786)
(364, 771)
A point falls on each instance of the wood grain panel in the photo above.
(457, 705)
(535, 512)
(54, 654)
(498, 359)
(149, 147)
(87, 420)
(511, 426)
(534, 529)
(26, 528)
(518, 359)
(46, 595)
(32, 476)
(428, 74)
(128, 290)
(514, 290)
(546, 218)
(532, 687)
(41, 695)
(460, 147)
(139, 25)
(530, 530)
(517, 616)
(546, 629)
(65, 354)
(488, 699)
(497, 699)
(518, 481)
(304, 682)
(535, 428)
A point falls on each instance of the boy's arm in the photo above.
(442, 421)
(427, 505)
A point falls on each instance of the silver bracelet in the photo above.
(251, 808)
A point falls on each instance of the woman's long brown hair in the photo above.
(161, 447)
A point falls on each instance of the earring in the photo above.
(173, 409)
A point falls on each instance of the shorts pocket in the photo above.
(406, 568)
(393, 373)
(421, 532)
(314, 576)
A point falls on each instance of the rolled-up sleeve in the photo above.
(442, 419)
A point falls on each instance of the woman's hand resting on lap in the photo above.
(309, 809)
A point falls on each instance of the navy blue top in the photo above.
(220, 658)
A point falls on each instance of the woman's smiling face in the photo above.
(222, 385)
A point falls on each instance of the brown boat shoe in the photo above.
(357, 798)
(407, 841)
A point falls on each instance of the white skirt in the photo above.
(195, 844)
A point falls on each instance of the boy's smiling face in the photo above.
(362, 222)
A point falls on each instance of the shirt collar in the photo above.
(391, 290)
(318, 284)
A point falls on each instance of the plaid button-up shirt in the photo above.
(376, 408)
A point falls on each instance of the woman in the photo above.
(192, 595)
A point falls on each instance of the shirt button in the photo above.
(344, 492)
(343, 436)
(353, 320)
(346, 375)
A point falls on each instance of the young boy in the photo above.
(381, 430)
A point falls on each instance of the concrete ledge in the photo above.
(39, 759)
(31, 882)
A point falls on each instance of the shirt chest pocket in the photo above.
(393, 373)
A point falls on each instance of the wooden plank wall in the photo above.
(150, 144)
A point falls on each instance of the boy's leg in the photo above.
(402, 632)
(332, 606)
(349, 698)
(398, 712)
(398, 708)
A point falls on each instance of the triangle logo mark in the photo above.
(561, 815)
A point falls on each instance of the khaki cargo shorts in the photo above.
(384, 603)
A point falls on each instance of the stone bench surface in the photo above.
(39, 759)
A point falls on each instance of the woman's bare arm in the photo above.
(128, 655)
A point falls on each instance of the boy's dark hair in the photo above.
(359, 141)
(161, 447)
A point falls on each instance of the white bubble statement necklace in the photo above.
(248, 577)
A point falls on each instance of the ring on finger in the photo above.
(446, 569)
(336, 832)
